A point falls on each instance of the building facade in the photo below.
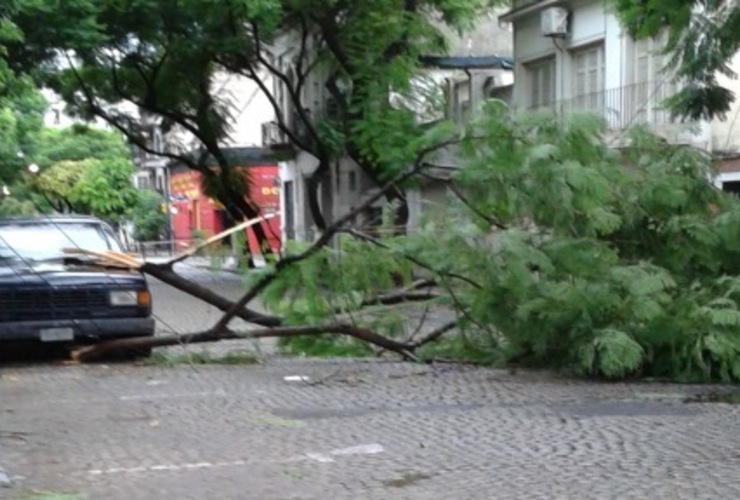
(573, 55)
(470, 72)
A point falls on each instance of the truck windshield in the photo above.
(45, 241)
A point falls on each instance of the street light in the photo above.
(33, 168)
(6, 191)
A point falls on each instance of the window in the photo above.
(588, 78)
(461, 102)
(352, 181)
(20, 242)
(541, 77)
(651, 85)
(142, 182)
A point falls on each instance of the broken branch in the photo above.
(98, 350)
(325, 237)
(207, 295)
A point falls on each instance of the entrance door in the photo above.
(289, 215)
(226, 222)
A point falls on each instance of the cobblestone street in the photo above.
(352, 430)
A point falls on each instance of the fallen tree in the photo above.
(274, 324)
(404, 349)
(561, 252)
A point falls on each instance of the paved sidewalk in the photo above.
(356, 430)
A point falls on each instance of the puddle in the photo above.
(407, 479)
(729, 397)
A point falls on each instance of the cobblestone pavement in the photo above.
(356, 430)
(353, 430)
(178, 312)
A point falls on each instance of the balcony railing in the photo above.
(623, 107)
(273, 136)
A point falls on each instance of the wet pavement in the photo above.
(351, 429)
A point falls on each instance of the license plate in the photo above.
(56, 334)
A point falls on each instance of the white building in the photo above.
(574, 55)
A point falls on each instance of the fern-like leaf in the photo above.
(618, 354)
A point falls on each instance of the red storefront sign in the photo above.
(194, 214)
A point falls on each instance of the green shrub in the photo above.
(148, 217)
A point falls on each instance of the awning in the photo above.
(468, 62)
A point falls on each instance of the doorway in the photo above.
(289, 215)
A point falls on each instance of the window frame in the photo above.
(537, 95)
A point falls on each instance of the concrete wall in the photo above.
(726, 133)
(486, 38)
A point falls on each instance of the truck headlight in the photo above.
(139, 298)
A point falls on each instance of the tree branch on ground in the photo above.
(101, 349)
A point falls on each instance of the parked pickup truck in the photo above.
(48, 295)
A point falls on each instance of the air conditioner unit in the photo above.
(554, 22)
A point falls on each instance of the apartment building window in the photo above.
(588, 78)
(541, 76)
(142, 182)
(461, 101)
(651, 84)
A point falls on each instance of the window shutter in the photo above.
(642, 67)
(547, 83)
(535, 98)
(588, 77)
(542, 83)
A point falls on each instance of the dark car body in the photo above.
(49, 295)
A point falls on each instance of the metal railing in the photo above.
(623, 107)
(163, 248)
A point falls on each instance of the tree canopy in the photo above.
(21, 119)
(163, 57)
(84, 170)
(77, 142)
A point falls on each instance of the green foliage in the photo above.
(76, 143)
(60, 180)
(11, 206)
(473, 346)
(337, 285)
(21, 118)
(85, 170)
(325, 345)
(612, 263)
(147, 216)
(566, 254)
(105, 189)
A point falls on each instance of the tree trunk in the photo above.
(314, 204)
